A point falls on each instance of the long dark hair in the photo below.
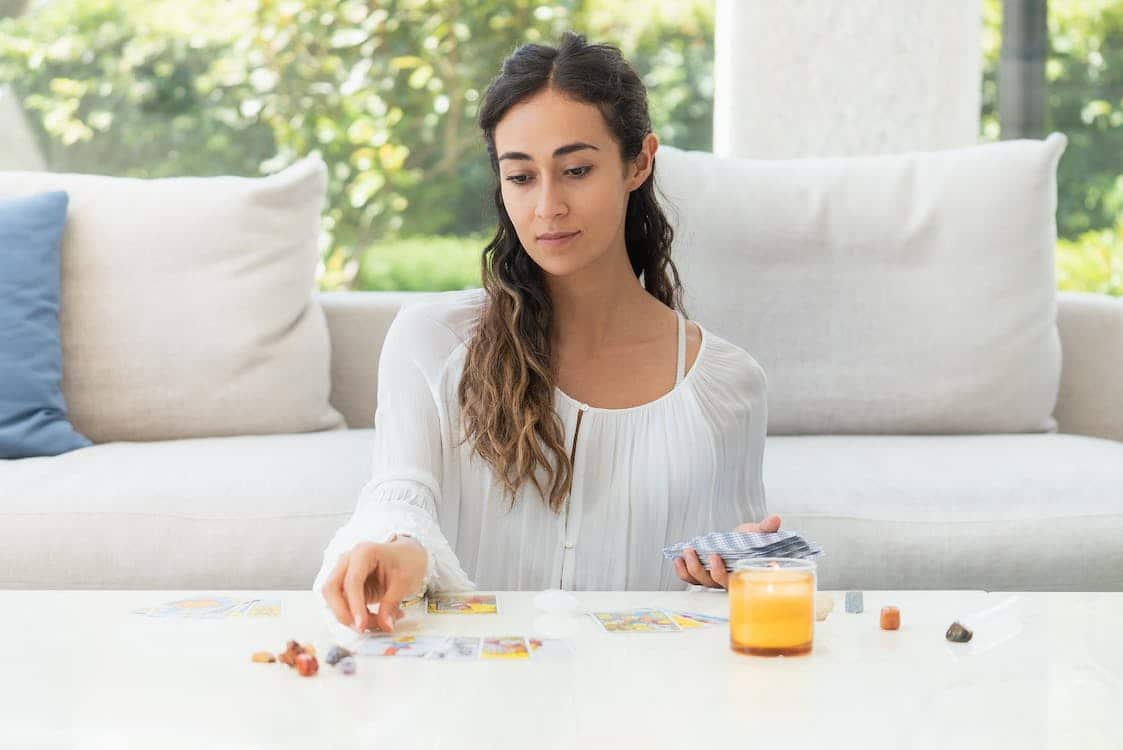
(506, 392)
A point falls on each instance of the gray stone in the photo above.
(854, 602)
(958, 634)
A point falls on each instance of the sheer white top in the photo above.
(644, 477)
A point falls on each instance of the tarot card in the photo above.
(695, 619)
(457, 648)
(264, 608)
(505, 647)
(640, 620)
(401, 646)
(463, 604)
(196, 607)
(550, 648)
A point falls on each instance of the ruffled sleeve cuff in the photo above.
(407, 508)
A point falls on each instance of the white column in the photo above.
(18, 149)
(797, 78)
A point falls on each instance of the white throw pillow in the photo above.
(909, 293)
(186, 304)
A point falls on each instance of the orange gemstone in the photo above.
(307, 665)
(890, 618)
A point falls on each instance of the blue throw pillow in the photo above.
(32, 411)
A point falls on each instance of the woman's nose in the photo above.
(551, 201)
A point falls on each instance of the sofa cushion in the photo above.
(238, 512)
(997, 512)
(883, 294)
(32, 410)
(187, 305)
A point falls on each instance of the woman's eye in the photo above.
(523, 179)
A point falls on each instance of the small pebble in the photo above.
(307, 665)
(335, 654)
(854, 602)
(346, 665)
(824, 605)
(890, 618)
(958, 634)
(263, 657)
(292, 650)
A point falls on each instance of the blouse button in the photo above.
(569, 545)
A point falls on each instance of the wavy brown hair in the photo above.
(506, 392)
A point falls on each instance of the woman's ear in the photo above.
(644, 162)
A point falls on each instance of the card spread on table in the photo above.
(457, 648)
(401, 646)
(213, 607)
(464, 648)
(733, 546)
(463, 604)
(639, 620)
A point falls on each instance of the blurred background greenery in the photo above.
(387, 93)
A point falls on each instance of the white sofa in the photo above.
(1037, 508)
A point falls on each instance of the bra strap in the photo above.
(680, 368)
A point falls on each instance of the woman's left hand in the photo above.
(689, 567)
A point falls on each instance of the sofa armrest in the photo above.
(1090, 401)
(357, 325)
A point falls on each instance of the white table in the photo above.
(79, 670)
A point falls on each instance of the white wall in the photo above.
(18, 149)
(846, 77)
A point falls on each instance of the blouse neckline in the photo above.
(677, 387)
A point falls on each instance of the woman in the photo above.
(562, 425)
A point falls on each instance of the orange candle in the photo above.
(772, 607)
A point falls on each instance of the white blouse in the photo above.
(644, 477)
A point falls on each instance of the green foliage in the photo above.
(1093, 262)
(386, 93)
(1084, 89)
(421, 264)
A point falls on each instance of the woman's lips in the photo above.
(557, 241)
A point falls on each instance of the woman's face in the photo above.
(563, 181)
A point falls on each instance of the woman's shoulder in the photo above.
(433, 326)
(727, 365)
(456, 311)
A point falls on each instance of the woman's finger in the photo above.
(680, 569)
(718, 571)
(694, 567)
(354, 586)
(768, 525)
(333, 592)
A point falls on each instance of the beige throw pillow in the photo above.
(186, 304)
(911, 293)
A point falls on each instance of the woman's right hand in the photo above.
(385, 573)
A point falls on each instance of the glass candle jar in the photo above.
(772, 606)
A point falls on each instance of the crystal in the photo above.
(824, 605)
(307, 665)
(958, 634)
(854, 602)
(335, 653)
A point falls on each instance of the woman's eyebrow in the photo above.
(560, 151)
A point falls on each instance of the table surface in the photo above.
(79, 669)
